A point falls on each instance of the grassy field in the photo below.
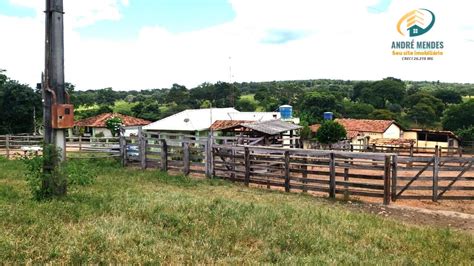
(131, 216)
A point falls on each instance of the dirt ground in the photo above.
(418, 215)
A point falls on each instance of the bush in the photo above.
(466, 134)
(331, 132)
(45, 184)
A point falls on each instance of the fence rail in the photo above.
(386, 176)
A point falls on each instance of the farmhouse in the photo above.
(198, 122)
(366, 131)
(96, 125)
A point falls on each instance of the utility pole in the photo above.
(54, 92)
(53, 83)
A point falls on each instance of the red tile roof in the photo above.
(225, 124)
(100, 120)
(355, 126)
(365, 125)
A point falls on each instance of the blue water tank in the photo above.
(328, 115)
(286, 111)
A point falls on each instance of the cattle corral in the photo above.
(428, 180)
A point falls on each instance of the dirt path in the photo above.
(418, 216)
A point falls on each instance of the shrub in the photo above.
(330, 132)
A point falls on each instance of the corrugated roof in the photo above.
(255, 116)
(100, 120)
(225, 124)
(271, 127)
(191, 120)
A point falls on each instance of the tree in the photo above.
(422, 114)
(380, 93)
(114, 124)
(178, 94)
(18, 102)
(306, 133)
(448, 96)
(331, 132)
(466, 134)
(105, 96)
(459, 116)
(383, 114)
(149, 110)
(246, 105)
(358, 88)
(357, 110)
(427, 99)
(315, 104)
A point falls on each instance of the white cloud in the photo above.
(326, 39)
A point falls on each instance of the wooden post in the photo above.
(247, 166)
(80, 143)
(346, 179)
(142, 148)
(435, 174)
(386, 181)
(394, 177)
(287, 171)
(305, 175)
(332, 176)
(164, 156)
(123, 150)
(208, 154)
(186, 161)
(7, 146)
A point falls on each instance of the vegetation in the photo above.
(331, 132)
(130, 216)
(46, 176)
(113, 124)
(418, 104)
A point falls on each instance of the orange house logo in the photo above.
(416, 22)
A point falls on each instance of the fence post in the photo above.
(287, 171)
(164, 156)
(123, 150)
(186, 158)
(346, 179)
(7, 146)
(332, 175)
(247, 166)
(305, 175)
(208, 154)
(435, 174)
(142, 148)
(386, 181)
(394, 177)
(80, 143)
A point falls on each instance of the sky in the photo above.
(144, 44)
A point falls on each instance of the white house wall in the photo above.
(392, 132)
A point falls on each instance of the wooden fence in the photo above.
(13, 146)
(399, 150)
(384, 176)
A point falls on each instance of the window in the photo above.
(415, 31)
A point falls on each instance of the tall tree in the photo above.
(18, 103)
(315, 104)
(459, 116)
(448, 96)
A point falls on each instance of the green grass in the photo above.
(133, 216)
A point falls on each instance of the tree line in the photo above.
(434, 105)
